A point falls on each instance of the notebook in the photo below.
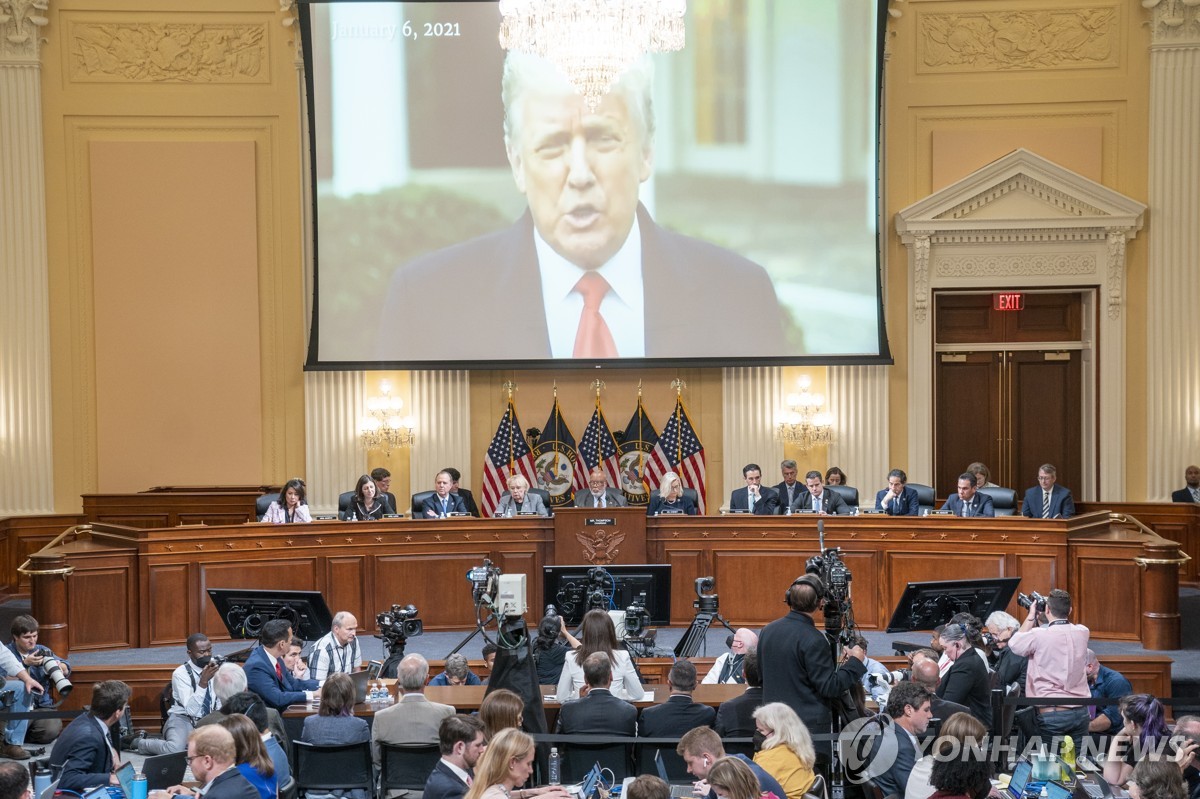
(677, 791)
(163, 771)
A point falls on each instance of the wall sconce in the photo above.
(805, 424)
(384, 428)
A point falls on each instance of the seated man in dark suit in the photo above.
(84, 751)
(1047, 500)
(735, 717)
(599, 494)
(444, 501)
(909, 707)
(599, 712)
(460, 740)
(967, 501)
(1191, 491)
(383, 481)
(680, 712)
(753, 497)
(818, 500)
(211, 754)
(466, 496)
(898, 499)
(266, 674)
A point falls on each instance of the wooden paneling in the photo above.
(347, 587)
(19, 537)
(687, 563)
(572, 528)
(164, 620)
(102, 602)
(1097, 574)
(1177, 521)
(435, 583)
(171, 508)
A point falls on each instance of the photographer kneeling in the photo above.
(48, 669)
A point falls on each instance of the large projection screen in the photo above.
(726, 194)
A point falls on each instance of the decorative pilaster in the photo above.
(858, 400)
(750, 397)
(332, 402)
(1173, 279)
(441, 402)
(26, 444)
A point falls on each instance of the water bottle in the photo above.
(41, 781)
(555, 766)
(788, 511)
(140, 786)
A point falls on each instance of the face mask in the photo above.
(202, 662)
(759, 739)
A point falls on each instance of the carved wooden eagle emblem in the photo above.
(600, 548)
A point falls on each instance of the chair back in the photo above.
(329, 768)
(818, 789)
(693, 495)
(417, 500)
(1004, 500)
(544, 494)
(849, 494)
(263, 503)
(926, 497)
(344, 500)
(406, 766)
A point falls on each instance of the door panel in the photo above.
(967, 419)
(1046, 419)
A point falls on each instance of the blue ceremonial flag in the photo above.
(636, 448)
(599, 448)
(508, 454)
(556, 462)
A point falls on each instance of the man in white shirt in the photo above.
(336, 651)
(728, 667)
(192, 696)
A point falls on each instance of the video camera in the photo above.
(1025, 600)
(836, 576)
(704, 601)
(397, 625)
(637, 618)
(483, 582)
(594, 593)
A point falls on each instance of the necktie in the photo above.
(790, 490)
(445, 506)
(278, 671)
(1045, 504)
(750, 501)
(593, 339)
(601, 503)
(966, 509)
(1196, 494)
(206, 707)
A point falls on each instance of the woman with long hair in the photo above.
(730, 778)
(959, 734)
(500, 710)
(289, 507)
(505, 766)
(550, 648)
(366, 502)
(961, 769)
(253, 760)
(787, 752)
(335, 722)
(598, 634)
(1145, 726)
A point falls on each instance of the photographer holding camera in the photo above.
(192, 698)
(47, 668)
(20, 690)
(1057, 656)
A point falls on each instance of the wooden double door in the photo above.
(1009, 388)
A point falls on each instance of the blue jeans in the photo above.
(14, 731)
(1064, 723)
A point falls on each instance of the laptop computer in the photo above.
(163, 771)
(1020, 778)
(586, 788)
(360, 680)
(49, 791)
(678, 791)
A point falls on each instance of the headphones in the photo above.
(811, 580)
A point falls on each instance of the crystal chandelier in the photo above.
(385, 429)
(805, 424)
(592, 41)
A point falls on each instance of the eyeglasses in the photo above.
(190, 758)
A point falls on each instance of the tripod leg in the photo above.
(478, 629)
(725, 624)
(689, 645)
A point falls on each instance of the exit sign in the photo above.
(1009, 301)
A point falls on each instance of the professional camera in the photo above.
(637, 618)
(54, 671)
(1025, 600)
(8, 698)
(836, 577)
(704, 601)
(483, 582)
(599, 589)
(397, 624)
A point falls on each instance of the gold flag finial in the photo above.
(509, 386)
(679, 385)
(597, 384)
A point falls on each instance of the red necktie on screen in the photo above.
(279, 671)
(593, 339)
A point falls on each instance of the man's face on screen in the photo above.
(579, 171)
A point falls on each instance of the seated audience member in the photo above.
(550, 648)
(599, 494)
(193, 698)
(250, 705)
(337, 650)
(598, 713)
(727, 668)
(1186, 738)
(265, 674)
(968, 502)
(1154, 778)
(753, 497)
(212, 757)
(25, 692)
(466, 496)
(701, 748)
(670, 498)
(1105, 683)
(908, 706)
(1191, 491)
(875, 687)
(33, 656)
(966, 681)
(335, 722)
(967, 776)
(519, 499)
(500, 710)
(290, 507)
(835, 477)
(787, 752)
(983, 475)
(730, 778)
(461, 743)
(898, 499)
(229, 681)
(488, 653)
(925, 673)
(1047, 500)
(457, 672)
(648, 786)
(413, 719)
(383, 484)
(597, 634)
(790, 489)
(958, 731)
(1008, 666)
(680, 712)
(83, 751)
(293, 661)
(506, 765)
(14, 781)
(1144, 727)
(735, 717)
(366, 503)
(443, 502)
(819, 500)
(250, 755)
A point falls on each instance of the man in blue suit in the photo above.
(968, 501)
(753, 497)
(898, 499)
(444, 501)
(84, 751)
(268, 677)
(461, 742)
(908, 706)
(1047, 500)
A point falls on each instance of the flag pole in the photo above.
(679, 385)
(510, 386)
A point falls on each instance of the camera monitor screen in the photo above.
(467, 198)
(244, 611)
(924, 606)
(574, 590)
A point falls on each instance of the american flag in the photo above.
(679, 450)
(508, 453)
(598, 447)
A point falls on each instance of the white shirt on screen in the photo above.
(623, 307)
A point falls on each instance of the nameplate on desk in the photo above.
(393, 515)
(324, 517)
(738, 510)
(455, 514)
(871, 511)
(803, 510)
(528, 513)
(940, 513)
(599, 521)
(670, 512)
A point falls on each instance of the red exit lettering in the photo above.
(1009, 301)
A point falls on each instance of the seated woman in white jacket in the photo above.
(599, 635)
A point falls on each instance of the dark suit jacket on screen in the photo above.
(684, 503)
(434, 503)
(768, 500)
(612, 498)
(797, 490)
(966, 682)
(83, 752)
(685, 280)
(907, 504)
(1061, 503)
(468, 501)
(262, 680)
(832, 503)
